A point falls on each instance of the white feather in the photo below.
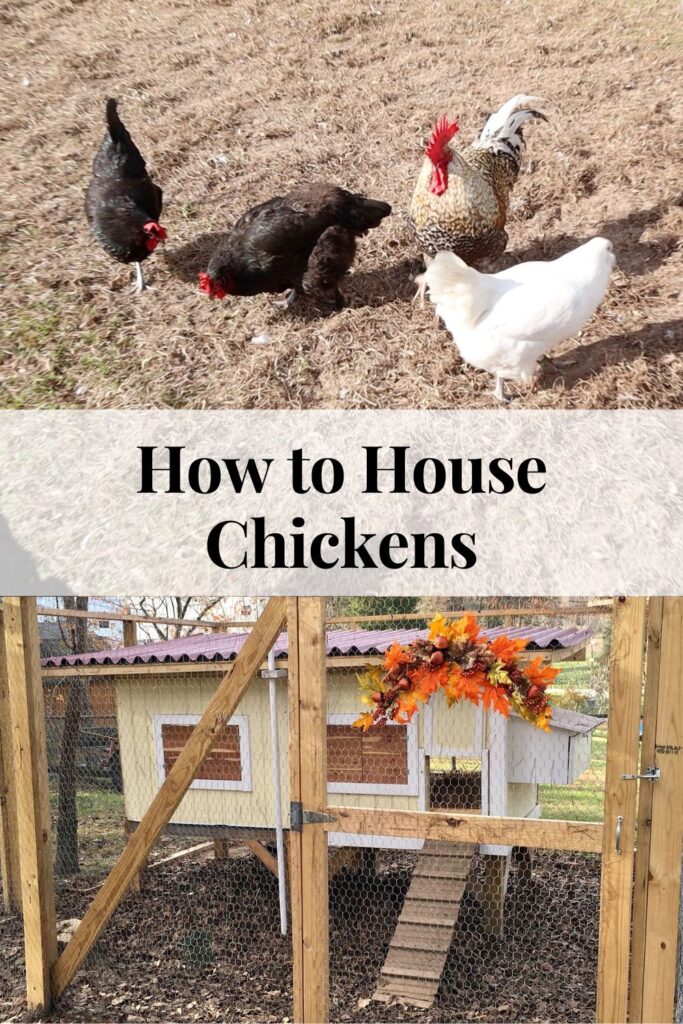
(505, 322)
(496, 122)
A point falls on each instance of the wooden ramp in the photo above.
(418, 950)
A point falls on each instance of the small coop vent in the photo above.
(380, 761)
(228, 764)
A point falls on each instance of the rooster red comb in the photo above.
(442, 133)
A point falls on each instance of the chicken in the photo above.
(505, 322)
(122, 203)
(303, 241)
(461, 200)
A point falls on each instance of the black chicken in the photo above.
(122, 204)
(304, 241)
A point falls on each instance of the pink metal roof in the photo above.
(225, 646)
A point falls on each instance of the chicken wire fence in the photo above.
(487, 931)
(200, 932)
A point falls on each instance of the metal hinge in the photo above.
(298, 817)
(649, 775)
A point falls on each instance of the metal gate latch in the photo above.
(649, 775)
(298, 817)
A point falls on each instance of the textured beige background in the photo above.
(609, 520)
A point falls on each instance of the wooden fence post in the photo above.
(308, 786)
(130, 633)
(616, 889)
(218, 711)
(32, 797)
(666, 841)
(9, 851)
(645, 794)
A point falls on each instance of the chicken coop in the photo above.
(268, 848)
(495, 766)
(456, 758)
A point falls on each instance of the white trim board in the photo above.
(242, 723)
(411, 788)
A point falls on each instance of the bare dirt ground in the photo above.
(202, 943)
(233, 103)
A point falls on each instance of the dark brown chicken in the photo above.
(122, 203)
(304, 241)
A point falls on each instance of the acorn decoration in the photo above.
(458, 659)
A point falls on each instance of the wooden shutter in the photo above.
(379, 756)
(385, 756)
(223, 764)
(344, 754)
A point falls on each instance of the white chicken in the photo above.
(505, 322)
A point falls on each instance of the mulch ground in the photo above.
(233, 103)
(202, 943)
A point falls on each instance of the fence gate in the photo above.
(507, 894)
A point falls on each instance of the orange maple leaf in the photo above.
(465, 628)
(506, 649)
(464, 687)
(495, 698)
(396, 656)
(427, 681)
(539, 674)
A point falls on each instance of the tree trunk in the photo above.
(66, 856)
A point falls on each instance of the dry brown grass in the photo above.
(235, 102)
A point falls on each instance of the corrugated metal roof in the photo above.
(575, 721)
(203, 647)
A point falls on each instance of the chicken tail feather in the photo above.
(443, 272)
(127, 156)
(361, 214)
(503, 130)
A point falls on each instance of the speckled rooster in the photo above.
(461, 198)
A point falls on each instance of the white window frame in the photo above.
(242, 723)
(411, 788)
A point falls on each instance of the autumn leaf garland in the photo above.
(459, 660)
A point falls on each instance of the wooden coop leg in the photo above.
(343, 858)
(221, 849)
(265, 856)
(495, 876)
(525, 863)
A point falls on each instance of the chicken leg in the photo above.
(140, 283)
(499, 390)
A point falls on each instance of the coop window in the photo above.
(378, 761)
(228, 766)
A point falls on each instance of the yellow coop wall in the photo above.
(139, 701)
(452, 731)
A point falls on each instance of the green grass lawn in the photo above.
(101, 835)
(582, 801)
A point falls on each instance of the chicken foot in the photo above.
(291, 295)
